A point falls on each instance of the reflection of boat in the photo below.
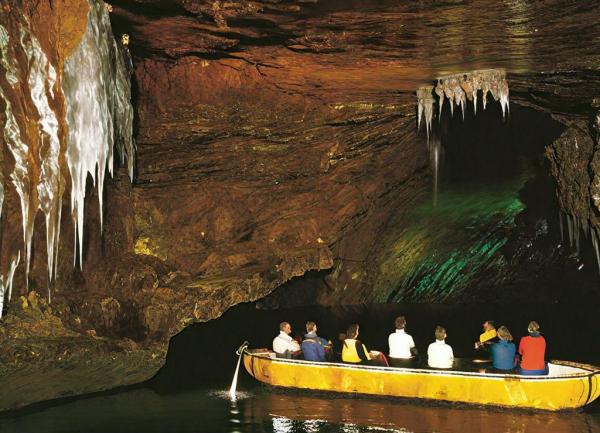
(389, 415)
(568, 385)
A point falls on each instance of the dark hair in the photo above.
(310, 326)
(400, 322)
(352, 331)
(491, 322)
(440, 333)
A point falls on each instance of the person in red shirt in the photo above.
(533, 351)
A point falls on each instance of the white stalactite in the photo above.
(99, 117)
(6, 282)
(97, 98)
(458, 89)
(425, 107)
(41, 79)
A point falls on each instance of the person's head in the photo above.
(488, 325)
(400, 322)
(285, 327)
(533, 327)
(504, 334)
(311, 327)
(440, 333)
(352, 331)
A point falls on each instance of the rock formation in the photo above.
(272, 138)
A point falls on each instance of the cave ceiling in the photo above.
(279, 137)
(373, 50)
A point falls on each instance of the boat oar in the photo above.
(238, 352)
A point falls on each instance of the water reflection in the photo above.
(262, 409)
(303, 412)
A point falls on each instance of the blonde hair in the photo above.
(282, 325)
(440, 333)
(533, 326)
(504, 334)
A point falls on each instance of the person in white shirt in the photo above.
(284, 345)
(402, 345)
(439, 354)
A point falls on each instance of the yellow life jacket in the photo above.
(349, 353)
(487, 335)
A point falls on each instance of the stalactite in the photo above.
(41, 79)
(425, 107)
(560, 224)
(435, 156)
(99, 117)
(576, 230)
(594, 236)
(570, 230)
(97, 112)
(460, 88)
(6, 282)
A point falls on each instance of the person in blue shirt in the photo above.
(503, 352)
(314, 347)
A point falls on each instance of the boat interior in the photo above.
(556, 369)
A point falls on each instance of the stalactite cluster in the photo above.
(89, 95)
(460, 88)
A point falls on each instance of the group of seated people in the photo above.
(528, 360)
(530, 357)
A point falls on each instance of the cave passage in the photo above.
(492, 223)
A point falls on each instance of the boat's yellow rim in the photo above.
(590, 369)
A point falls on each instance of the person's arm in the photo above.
(324, 342)
(321, 351)
(294, 346)
(361, 349)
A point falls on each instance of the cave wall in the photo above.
(278, 138)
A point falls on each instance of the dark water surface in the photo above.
(190, 392)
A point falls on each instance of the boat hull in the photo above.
(528, 392)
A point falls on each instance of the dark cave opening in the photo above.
(492, 228)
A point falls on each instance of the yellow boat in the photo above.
(567, 386)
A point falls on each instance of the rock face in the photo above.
(276, 138)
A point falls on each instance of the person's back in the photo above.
(532, 349)
(440, 354)
(503, 351)
(400, 343)
(353, 351)
(488, 337)
(313, 346)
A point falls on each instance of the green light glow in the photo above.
(443, 249)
